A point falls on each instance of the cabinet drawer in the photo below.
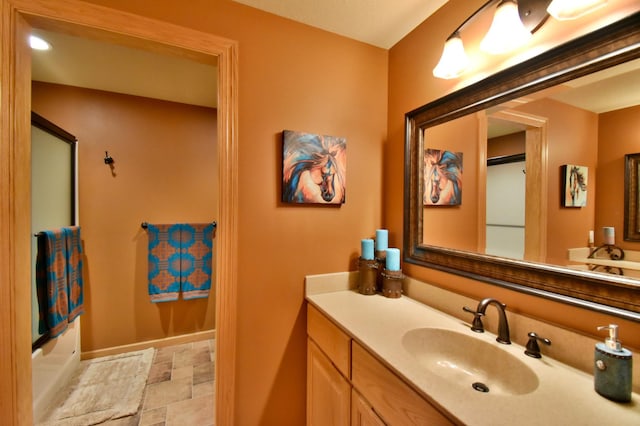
(335, 343)
(393, 399)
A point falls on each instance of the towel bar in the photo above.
(145, 225)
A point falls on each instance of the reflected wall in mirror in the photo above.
(516, 130)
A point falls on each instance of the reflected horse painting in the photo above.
(314, 168)
(442, 177)
(575, 193)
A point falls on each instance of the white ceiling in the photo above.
(381, 23)
(608, 90)
(82, 62)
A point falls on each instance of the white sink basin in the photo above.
(469, 361)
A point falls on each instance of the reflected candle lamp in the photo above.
(609, 235)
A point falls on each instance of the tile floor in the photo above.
(179, 389)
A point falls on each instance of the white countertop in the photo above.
(564, 396)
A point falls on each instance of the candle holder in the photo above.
(610, 251)
(392, 283)
(367, 280)
(381, 259)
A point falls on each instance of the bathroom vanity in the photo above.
(374, 361)
(340, 370)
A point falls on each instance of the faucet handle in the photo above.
(532, 348)
(476, 325)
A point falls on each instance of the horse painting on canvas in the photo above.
(314, 168)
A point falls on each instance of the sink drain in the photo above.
(480, 387)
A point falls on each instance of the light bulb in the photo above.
(37, 43)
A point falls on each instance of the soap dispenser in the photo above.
(613, 365)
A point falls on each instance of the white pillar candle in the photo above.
(591, 237)
(609, 235)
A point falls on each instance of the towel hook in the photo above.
(108, 159)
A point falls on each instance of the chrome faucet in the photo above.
(503, 325)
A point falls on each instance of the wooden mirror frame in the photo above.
(631, 187)
(603, 48)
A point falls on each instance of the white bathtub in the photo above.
(52, 366)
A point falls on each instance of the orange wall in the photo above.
(165, 166)
(512, 144)
(618, 135)
(295, 77)
(411, 85)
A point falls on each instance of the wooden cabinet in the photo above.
(328, 392)
(393, 399)
(328, 372)
(346, 385)
(362, 414)
(335, 343)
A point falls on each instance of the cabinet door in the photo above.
(393, 399)
(362, 413)
(328, 392)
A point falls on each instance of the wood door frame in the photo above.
(537, 185)
(79, 18)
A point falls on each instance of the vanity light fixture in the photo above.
(37, 43)
(454, 59)
(507, 32)
(513, 24)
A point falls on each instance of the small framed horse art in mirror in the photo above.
(442, 178)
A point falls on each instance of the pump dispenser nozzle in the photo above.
(612, 341)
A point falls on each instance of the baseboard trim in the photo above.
(157, 343)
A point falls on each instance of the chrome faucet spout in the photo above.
(503, 325)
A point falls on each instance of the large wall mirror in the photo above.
(530, 123)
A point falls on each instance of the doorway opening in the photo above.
(106, 24)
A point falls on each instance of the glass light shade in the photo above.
(564, 10)
(454, 59)
(36, 43)
(507, 31)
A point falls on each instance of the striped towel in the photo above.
(52, 282)
(164, 262)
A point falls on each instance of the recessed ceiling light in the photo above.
(37, 43)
